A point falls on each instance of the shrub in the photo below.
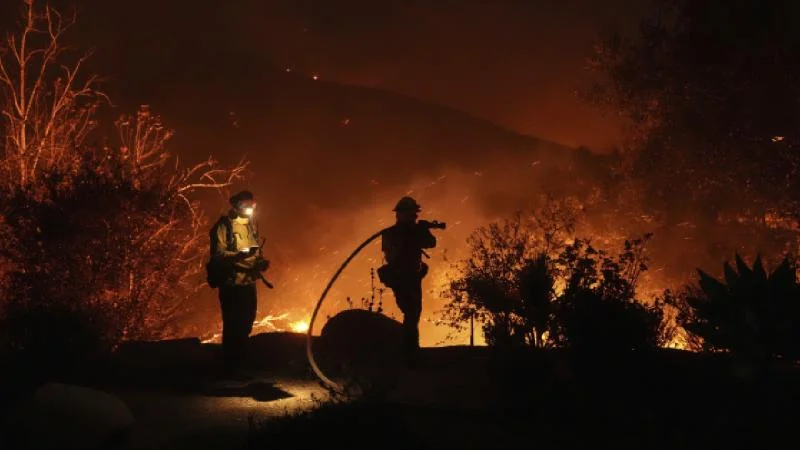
(104, 242)
(598, 308)
(528, 286)
(751, 313)
(506, 283)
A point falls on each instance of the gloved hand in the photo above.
(246, 253)
(262, 265)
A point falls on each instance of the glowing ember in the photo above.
(268, 323)
(214, 339)
(301, 326)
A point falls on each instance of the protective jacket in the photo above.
(402, 245)
(230, 235)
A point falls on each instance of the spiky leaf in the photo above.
(712, 287)
(756, 313)
(731, 277)
(759, 272)
(742, 267)
(784, 274)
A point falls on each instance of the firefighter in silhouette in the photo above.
(403, 246)
(235, 268)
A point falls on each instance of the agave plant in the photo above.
(751, 312)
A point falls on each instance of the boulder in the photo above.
(359, 338)
(61, 416)
(279, 350)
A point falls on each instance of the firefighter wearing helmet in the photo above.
(235, 267)
(403, 247)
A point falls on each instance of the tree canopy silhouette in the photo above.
(709, 92)
(710, 89)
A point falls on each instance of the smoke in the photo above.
(514, 63)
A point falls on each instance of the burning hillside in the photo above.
(329, 161)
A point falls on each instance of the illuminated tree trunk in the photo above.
(48, 103)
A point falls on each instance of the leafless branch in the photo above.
(43, 116)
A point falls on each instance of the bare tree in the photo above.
(112, 233)
(169, 252)
(49, 102)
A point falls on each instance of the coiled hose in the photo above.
(309, 350)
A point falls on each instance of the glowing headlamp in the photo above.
(248, 211)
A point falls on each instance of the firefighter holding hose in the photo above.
(403, 246)
(235, 267)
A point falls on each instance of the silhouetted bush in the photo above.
(8, 252)
(56, 338)
(529, 287)
(99, 259)
(752, 313)
(598, 308)
(101, 243)
(506, 283)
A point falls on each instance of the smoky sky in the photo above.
(515, 62)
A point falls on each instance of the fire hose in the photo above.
(309, 339)
(309, 351)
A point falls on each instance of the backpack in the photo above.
(217, 272)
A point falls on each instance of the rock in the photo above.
(360, 338)
(61, 416)
(278, 350)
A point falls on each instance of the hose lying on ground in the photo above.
(309, 351)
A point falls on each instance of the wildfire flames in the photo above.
(301, 326)
(267, 324)
(450, 197)
(466, 199)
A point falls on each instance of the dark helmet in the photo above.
(407, 204)
(240, 197)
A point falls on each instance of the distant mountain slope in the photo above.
(331, 138)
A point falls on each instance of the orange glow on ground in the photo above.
(301, 326)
